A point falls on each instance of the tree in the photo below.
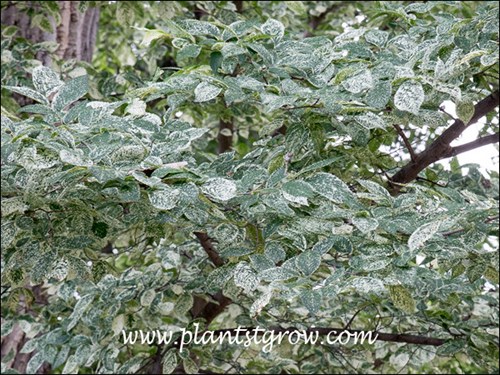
(266, 165)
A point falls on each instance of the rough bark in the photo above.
(76, 34)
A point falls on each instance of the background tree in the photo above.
(251, 163)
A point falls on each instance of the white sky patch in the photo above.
(485, 156)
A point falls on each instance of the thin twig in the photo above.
(406, 142)
(451, 233)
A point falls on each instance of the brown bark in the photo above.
(201, 307)
(225, 141)
(441, 149)
(76, 34)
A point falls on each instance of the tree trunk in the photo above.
(76, 33)
(76, 36)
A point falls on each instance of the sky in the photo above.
(485, 156)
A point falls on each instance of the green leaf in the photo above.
(465, 111)
(215, 61)
(70, 92)
(169, 362)
(165, 198)
(422, 234)
(330, 187)
(311, 300)
(365, 224)
(45, 80)
(125, 13)
(42, 22)
(80, 307)
(220, 189)
(152, 35)
(308, 262)
(205, 92)
(32, 94)
(297, 191)
(409, 97)
(245, 278)
(402, 298)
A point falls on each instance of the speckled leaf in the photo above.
(422, 234)
(220, 189)
(359, 82)
(245, 278)
(197, 27)
(274, 28)
(184, 304)
(409, 97)
(30, 93)
(330, 187)
(367, 285)
(377, 37)
(206, 91)
(311, 300)
(164, 199)
(261, 302)
(277, 274)
(75, 157)
(45, 80)
(70, 92)
(308, 262)
(370, 121)
(365, 224)
(79, 309)
(169, 362)
(379, 95)
(323, 246)
(275, 252)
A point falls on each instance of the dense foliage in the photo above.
(114, 198)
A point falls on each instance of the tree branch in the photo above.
(225, 141)
(406, 142)
(315, 21)
(440, 148)
(201, 307)
(207, 245)
(483, 141)
(452, 232)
